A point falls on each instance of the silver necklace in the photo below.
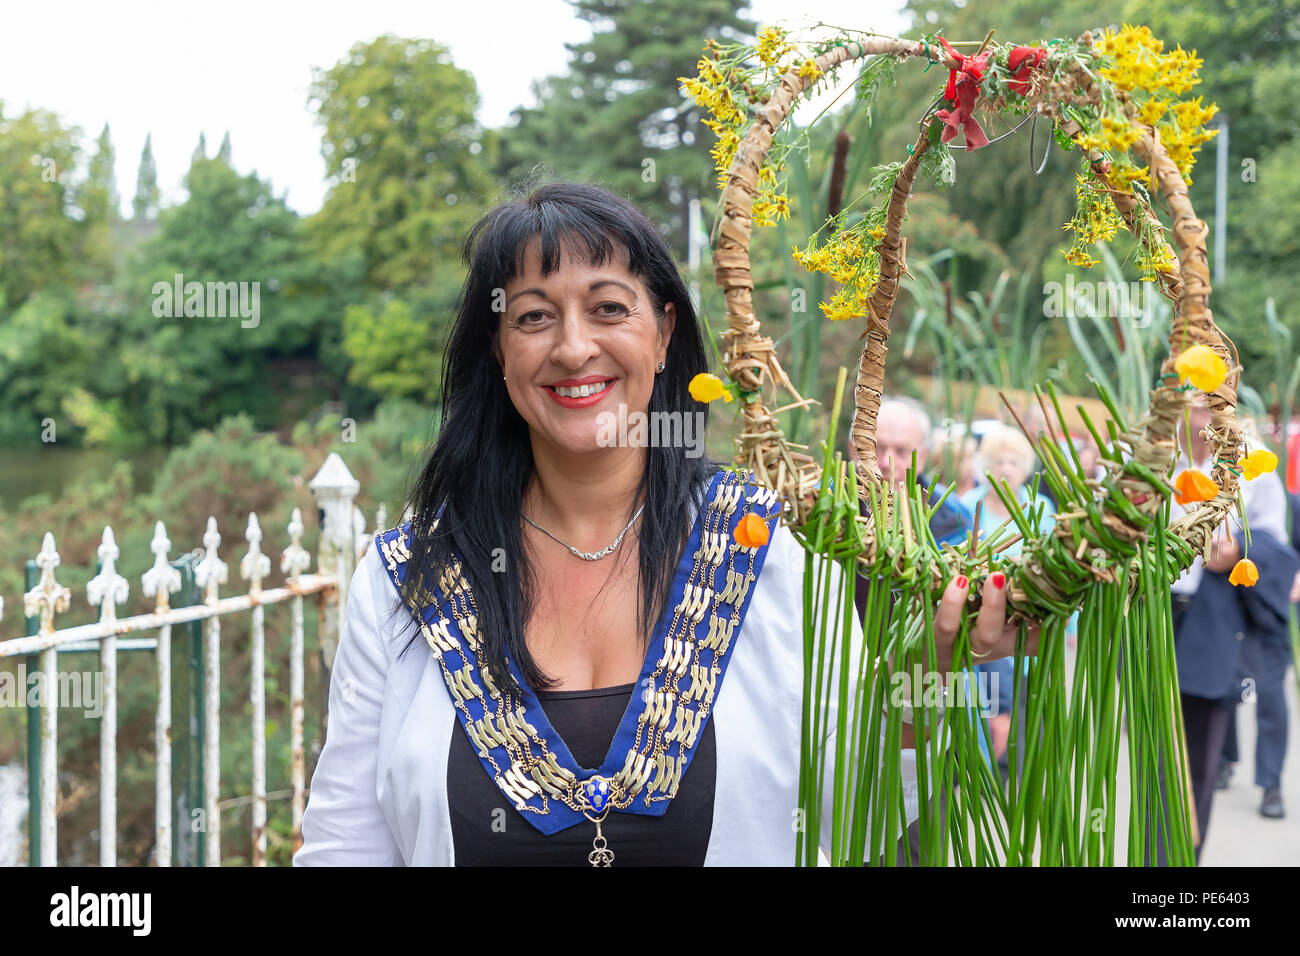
(583, 554)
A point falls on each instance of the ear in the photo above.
(666, 326)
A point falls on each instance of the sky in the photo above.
(177, 69)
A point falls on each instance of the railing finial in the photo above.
(48, 597)
(107, 589)
(162, 578)
(255, 565)
(295, 558)
(211, 571)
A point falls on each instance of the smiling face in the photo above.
(582, 329)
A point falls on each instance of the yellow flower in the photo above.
(809, 71)
(1152, 110)
(707, 387)
(1202, 367)
(1079, 257)
(772, 45)
(1245, 573)
(1261, 461)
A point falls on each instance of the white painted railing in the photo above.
(342, 542)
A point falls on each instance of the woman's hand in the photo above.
(991, 636)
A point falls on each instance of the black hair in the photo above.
(481, 460)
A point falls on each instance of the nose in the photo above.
(575, 343)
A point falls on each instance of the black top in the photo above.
(487, 830)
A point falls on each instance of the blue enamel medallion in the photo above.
(597, 791)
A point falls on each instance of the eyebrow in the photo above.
(591, 288)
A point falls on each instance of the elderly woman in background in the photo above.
(1006, 455)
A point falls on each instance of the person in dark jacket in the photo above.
(1261, 671)
(1212, 617)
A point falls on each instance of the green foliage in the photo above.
(406, 156)
(147, 197)
(393, 352)
(43, 232)
(618, 118)
(183, 373)
(231, 470)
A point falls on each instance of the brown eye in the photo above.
(618, 307)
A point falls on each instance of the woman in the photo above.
(583, 682)
(1006, 455)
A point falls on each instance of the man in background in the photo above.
(903, 429)
(1212, 616)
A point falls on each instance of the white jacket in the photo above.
(379, 792)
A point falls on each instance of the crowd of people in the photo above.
(1232, 643)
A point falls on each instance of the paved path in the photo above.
(1238, 835)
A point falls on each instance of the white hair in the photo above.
(914, 408)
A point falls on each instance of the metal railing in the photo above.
(342, 543)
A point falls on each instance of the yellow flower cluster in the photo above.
(1154, 257)
(772, 45)
(850, 262)
(1095, 220)
(809, 70)
(1141, 70)
(1139, 61)
(712, 90)
(1116, 137)
(1185, 132)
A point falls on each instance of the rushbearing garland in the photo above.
(1119, 101)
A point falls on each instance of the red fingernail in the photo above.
(999, 579)
(961, 581)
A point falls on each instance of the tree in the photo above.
(185, 371)
(1250, 73)
(618, 117)
(145, 205)
(223, 152)
(405, 153)
(41, 227)
(103, 180)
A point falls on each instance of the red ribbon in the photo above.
(962, 89)
(1020, 62)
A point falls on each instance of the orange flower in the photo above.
(751, 532)
(1192, 486)
(1244, 573)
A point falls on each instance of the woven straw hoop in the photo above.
(751, 360)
